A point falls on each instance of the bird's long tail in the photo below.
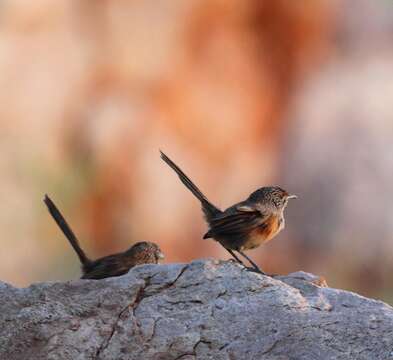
(65, 228)
(208, 208)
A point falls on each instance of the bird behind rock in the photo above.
(112, 265)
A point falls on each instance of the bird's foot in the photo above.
(256, 270)
(232, 260)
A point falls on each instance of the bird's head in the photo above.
(273, 196)
(145, 252)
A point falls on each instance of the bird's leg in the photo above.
(235, 257)
(255, 266)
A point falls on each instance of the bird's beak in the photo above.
(291, 197)
(161, 255)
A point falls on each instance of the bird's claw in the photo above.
(252, 269)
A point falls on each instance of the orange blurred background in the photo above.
(240, 94)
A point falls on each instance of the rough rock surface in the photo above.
(203, 310)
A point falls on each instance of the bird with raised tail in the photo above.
(245, 225)
(111, 265)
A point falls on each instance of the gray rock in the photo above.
(203, 310)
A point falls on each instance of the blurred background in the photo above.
(240, 94)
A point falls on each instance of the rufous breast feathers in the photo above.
(264, 233)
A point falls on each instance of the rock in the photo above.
(203, 310)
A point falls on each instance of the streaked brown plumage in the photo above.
(111, 265)
(245, 225)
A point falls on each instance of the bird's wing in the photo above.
(238, 223)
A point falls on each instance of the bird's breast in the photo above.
(265, 232)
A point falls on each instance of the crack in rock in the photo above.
(140, 295)
(114, 326)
